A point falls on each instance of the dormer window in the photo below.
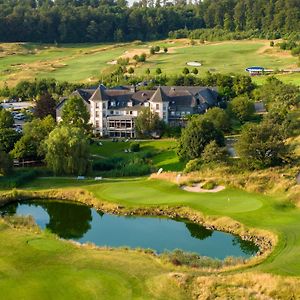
(146, 104)
(129, 103)
(112, 103)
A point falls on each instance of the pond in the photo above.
(83, 224)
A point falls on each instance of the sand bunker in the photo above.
(194, 64)
(197, 188)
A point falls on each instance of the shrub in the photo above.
(178, 257)
(193, 165)
(19, 178)
(135, 147)
(209, 185)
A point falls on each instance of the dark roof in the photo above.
(142, 96)
(159, 96)
(99, 94)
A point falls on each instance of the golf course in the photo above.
(38, 260)
(86, 63)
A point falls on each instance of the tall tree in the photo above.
(6, 119)
(198, 133)
(45, 106)
(67, 151)
(262, 145)
(75, 114)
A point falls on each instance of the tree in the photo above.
(148, 123)
(30, 146)
(261, 145)
(158, 71)
(8, 139)
(130, 70)
(152, 51)
(136, 58)
(147, 71)
(166, 50)
(75, 113)
(6, 119)
(198, 133)
(213, 153)
(195, 71)
(143, 57)
(242, 108)
(67, 151)
(219, 117)
(156, 48)
(185, 71)
(45, 106)
(6, 163)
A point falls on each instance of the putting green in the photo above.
(153, 192)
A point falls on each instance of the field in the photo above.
(87, 62)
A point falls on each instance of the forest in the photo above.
(78, 21)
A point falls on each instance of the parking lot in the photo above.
(17, 109)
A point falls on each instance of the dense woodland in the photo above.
(70, 21)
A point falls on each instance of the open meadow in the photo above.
(88, 62)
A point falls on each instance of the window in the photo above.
(104, 105)
(97, 124)
(157, 106)
(97, 113)
(97, 104)
(111, 112)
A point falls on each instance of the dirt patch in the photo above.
(197, 188)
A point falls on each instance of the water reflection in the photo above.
(198, 231)
(83, 224)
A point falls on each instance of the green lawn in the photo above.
(41, 267)
(87, 62)
(164, 152)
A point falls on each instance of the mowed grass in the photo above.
(164, 152)
(251, 209)
(88, 62)
(40, 267)
(223, 57)
(37, 266)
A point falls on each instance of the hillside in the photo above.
(88, 62)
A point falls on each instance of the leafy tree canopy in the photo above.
(67, 151)
(6, 119)
(262, 145)
(198, 133)
(75, 113)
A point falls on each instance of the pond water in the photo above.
(84, 224)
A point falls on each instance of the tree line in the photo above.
(69, 21)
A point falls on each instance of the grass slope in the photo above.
(41, 267)
(86, 62)
(164, 152)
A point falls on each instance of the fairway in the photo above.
(87, 63)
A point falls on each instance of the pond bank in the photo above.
(265, 240)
